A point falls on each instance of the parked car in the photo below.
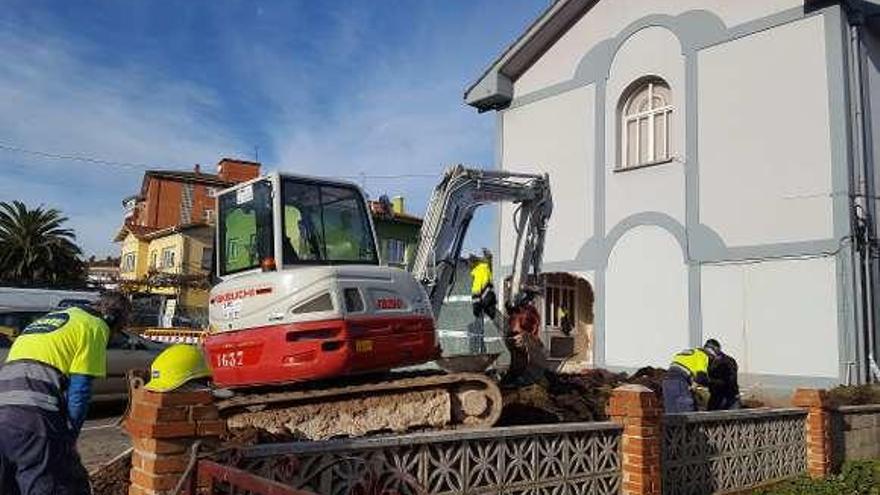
(128, 351)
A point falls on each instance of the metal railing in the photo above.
(218, 479)
(725, 451)
(562, 458)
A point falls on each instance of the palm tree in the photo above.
(35, 247)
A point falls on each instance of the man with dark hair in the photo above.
(723, 381)
(45, 388)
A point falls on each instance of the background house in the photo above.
(166, 241)
(397, 232)
(712, 173)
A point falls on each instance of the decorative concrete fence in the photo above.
(564, 458)
(639, 452)
(731, 450)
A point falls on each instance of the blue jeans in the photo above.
(677, 396)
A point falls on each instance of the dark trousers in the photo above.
(677, 395)
(38, 454)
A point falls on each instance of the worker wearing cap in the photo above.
(723, 380)
(178, 365)
(688, 373)
(45, 388)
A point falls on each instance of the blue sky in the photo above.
(337, 87)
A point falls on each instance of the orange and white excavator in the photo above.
(307, 324)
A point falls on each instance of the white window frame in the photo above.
(208, 215)
(652, 114)
(128, 262)
(400, 246)
(168, 255)
(554, 297)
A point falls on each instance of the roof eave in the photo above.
(494, 89)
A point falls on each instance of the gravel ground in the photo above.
(100, 441)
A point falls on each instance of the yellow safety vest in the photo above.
(693, 361)
(481, 276)
(72, 341)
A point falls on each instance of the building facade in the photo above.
(397, 232)
(712, 176)
(166, 241)
(173, 197)
(170, 264)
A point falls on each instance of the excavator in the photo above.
(314, 336)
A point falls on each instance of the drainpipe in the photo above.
(862, 193)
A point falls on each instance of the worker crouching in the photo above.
(45, 389)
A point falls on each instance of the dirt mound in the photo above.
(571, 397)
(112, 478)
(855, 395)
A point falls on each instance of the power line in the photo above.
(144, 166)
(79, 158)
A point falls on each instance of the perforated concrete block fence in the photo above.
(563, 458)
(640, 451)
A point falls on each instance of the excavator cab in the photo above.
(286, 221)
(302, 295)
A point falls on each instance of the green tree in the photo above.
(36, 248)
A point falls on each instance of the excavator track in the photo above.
(397, 403)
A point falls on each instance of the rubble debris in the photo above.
(571, 397)
(112, 478)
(855, 395)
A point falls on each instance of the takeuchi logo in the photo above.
(240, 294)
(389, 303)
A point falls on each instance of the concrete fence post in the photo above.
(818, 430)
(163, 429)
(637, 409)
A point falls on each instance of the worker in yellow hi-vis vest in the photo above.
(483, 299)
(687, 376)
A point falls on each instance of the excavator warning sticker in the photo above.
(231, 309)
(244, 195)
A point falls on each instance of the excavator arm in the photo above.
(453, 203)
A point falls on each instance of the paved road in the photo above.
(100, 440)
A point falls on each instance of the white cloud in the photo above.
(56, 97)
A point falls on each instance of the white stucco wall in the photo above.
(764, 137)
(646, 304)
(651, 51)
(554, 136)
(607, 18)
(776, 317)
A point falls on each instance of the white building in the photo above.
(706, 161)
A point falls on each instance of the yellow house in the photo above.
(173, 262)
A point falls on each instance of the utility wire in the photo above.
(144, 166)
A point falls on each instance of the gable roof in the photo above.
(186, 176)
(139, 231)
(494, 88)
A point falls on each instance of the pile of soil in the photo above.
(571, 397)
(855, 395)
(112, 478)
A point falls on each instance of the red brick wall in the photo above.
(162, 203)
(237, 170)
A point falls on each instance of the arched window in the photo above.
(645, 118)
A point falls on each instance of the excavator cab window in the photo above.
(245, 227)
(325, 224)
